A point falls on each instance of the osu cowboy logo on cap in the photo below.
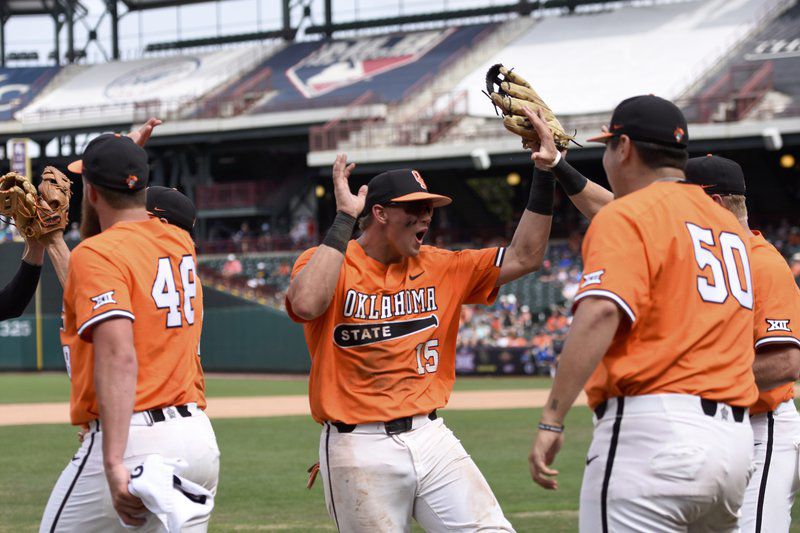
(402, 185)
(115, 162)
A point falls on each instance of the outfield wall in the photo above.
(238, 335)
(239, 339)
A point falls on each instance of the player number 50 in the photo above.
(427, 356)
(714, 289)
(166, 295)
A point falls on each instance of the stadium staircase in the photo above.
(719, 62)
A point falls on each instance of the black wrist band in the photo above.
(550, 427)
(570, 179)
(340, 232)
(543, 187)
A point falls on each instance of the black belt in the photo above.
(393, 427)
(709, 408)
(158, 415)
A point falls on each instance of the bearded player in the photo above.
(381, 316)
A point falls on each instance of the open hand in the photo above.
(142, 135)
(543, 453)
(544, 151)
(347, 202)
(129, 508)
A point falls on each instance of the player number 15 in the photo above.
(427, 356)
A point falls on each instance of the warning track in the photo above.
(271, 406)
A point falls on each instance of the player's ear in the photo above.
(625, 147)
(379, 214)
(717, 198)
(89, 192)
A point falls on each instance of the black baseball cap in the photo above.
(171, 205)
(402, 185)
(717, 175)
(115, 162)
(648, 118)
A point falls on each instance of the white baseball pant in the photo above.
(659, 463)
(768, 501)
(377, 482)
(81, 501)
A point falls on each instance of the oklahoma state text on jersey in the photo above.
(678, 265)
(385, 347)
(142, 271)
(777, 312)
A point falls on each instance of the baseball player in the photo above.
(776, 423)
(381, 315)
(131, 331)
(172, 206)
(662, 334)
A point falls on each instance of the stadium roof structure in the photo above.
(139, 5)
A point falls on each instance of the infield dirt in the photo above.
(269, 406)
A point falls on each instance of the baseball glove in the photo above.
(36, 213)
(509, 93)
(54, 192)
(18, 200)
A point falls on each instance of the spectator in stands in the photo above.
(74, 233)
(232, 267)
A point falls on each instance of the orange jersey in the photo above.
(385, 347)
(145, 272)
(678, 266)
(777, 312)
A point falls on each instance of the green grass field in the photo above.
(54, 387)
(264, 460)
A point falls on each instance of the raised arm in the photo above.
(311, 291)
(529, 243)
(586, 195)
(58, 252)
(16, 296)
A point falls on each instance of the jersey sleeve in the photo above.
(99, 289)
(301, 262)
(615, 263)
(477, 272)
(777, 305)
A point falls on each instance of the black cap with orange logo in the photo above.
(403, 185)
(115, 162)
(717, 175)
(171, 205)
(648, 118)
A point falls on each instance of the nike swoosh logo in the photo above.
(758, 444)
(590, 459)
(159, 209)
(412, 278)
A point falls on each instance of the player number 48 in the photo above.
(165, 293)
(713, 288)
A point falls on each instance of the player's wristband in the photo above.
(550, 427)
(543, 188)
(340, 232)
(570, 179)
